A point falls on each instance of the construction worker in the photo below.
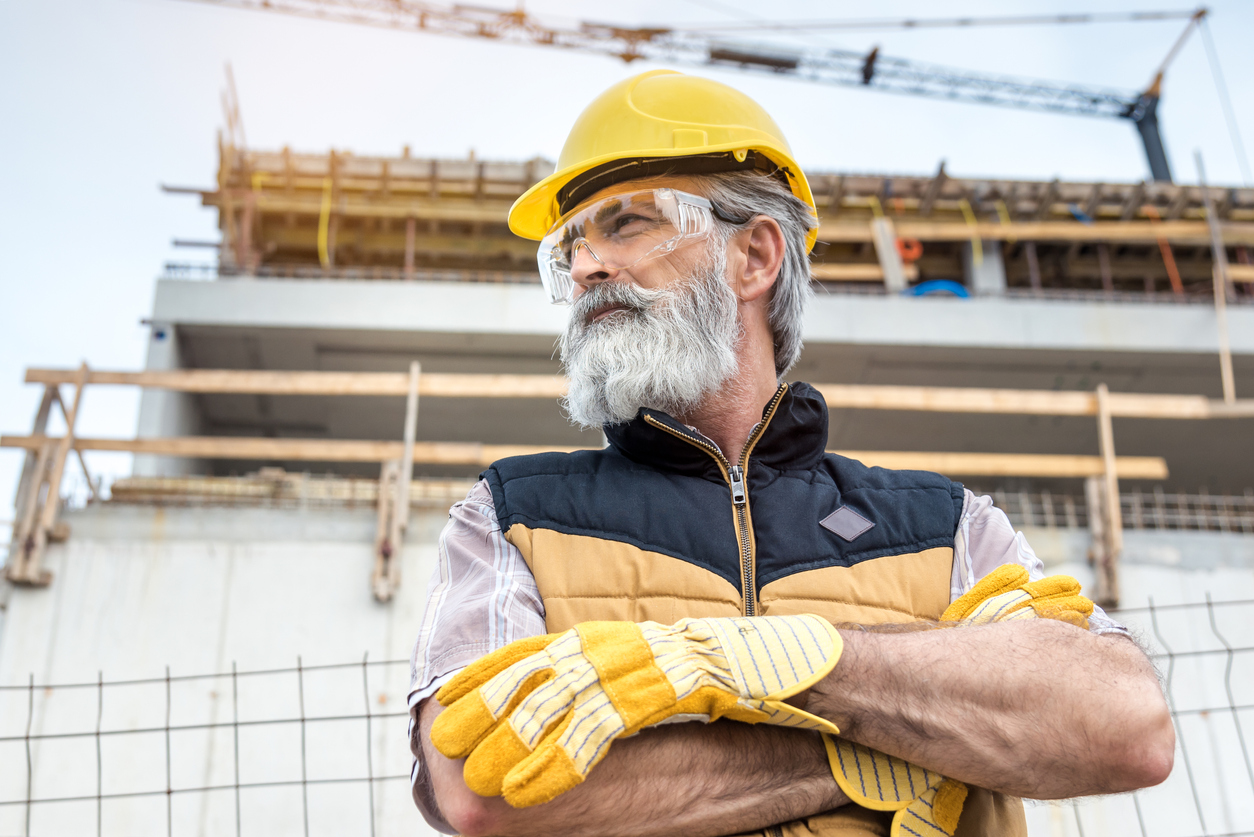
(714, 562)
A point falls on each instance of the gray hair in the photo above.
(747, 194)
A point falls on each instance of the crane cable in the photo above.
(925, 23)
(1229, 115)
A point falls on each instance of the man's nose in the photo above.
(587, 270)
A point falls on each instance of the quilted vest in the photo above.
(661, 526)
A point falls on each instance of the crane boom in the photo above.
(693, 48)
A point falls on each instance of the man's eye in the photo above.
(628, 224)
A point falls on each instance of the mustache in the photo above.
(631, 296)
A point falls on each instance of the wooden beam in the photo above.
(352, 206)
(933, 191)
(434, 385)
(28, 568)
(394, 242)
(1013, 401)
(839, 396)
(411, 226)
(24, 524)
(1012, 464)
(406, 475)
(1034, 265)
(29, 470)
(479, 455)
(1241, 272)
(1219, 255)
(383, 545)
(387, 572)
(1146, 232)
(307, 450)
(829, 272)
(1108, 566)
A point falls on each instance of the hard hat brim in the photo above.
(536, 210)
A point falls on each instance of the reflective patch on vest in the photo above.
(846, 522)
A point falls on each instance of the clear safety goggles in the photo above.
(622, 231)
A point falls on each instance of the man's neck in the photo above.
(729, 415)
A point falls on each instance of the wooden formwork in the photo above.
(393, 217)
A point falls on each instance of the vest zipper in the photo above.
(740, 502)
(735, 476)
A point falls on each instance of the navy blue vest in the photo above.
(661, 493)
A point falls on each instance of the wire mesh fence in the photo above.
(299, 750)
(320, 749)
(1155, 510)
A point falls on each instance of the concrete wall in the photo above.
(522, 310)
(138, 589)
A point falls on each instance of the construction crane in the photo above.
(693, 47)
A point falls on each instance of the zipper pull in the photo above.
(737, 484)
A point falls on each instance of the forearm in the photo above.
(1032, 708)
(688, 778)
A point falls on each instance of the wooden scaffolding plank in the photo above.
(839, 396)
(857, 272)
(480, 455)
(434, 385)
(1012, 401)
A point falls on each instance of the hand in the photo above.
(1006, 594)
(533, 728)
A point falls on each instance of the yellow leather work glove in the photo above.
(1006, 594)
(535, 728)
(927, 803)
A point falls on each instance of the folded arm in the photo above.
(1032, 708)
(688, 778)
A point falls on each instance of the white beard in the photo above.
(670, 351)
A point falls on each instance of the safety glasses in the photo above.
(623, 231)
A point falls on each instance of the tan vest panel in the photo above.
(892, 589)
(582, 579)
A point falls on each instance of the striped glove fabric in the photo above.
(1006, 594)
(927, 803)
(534, 728)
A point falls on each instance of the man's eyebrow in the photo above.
(607, 211)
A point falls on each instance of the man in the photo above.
(678, 226)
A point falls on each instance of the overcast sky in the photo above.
(103, 100)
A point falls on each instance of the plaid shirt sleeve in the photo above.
(985, 540)
(481, 598)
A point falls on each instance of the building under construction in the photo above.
(371, 336)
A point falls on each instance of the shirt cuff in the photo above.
(417, 696)
(1100, 623)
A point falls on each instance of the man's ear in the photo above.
(763, 247)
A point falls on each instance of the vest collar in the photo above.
(795, 437)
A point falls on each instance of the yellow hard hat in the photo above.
(657, 122)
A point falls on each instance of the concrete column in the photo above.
(885, 239)
(986, 275)
(165, 413)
